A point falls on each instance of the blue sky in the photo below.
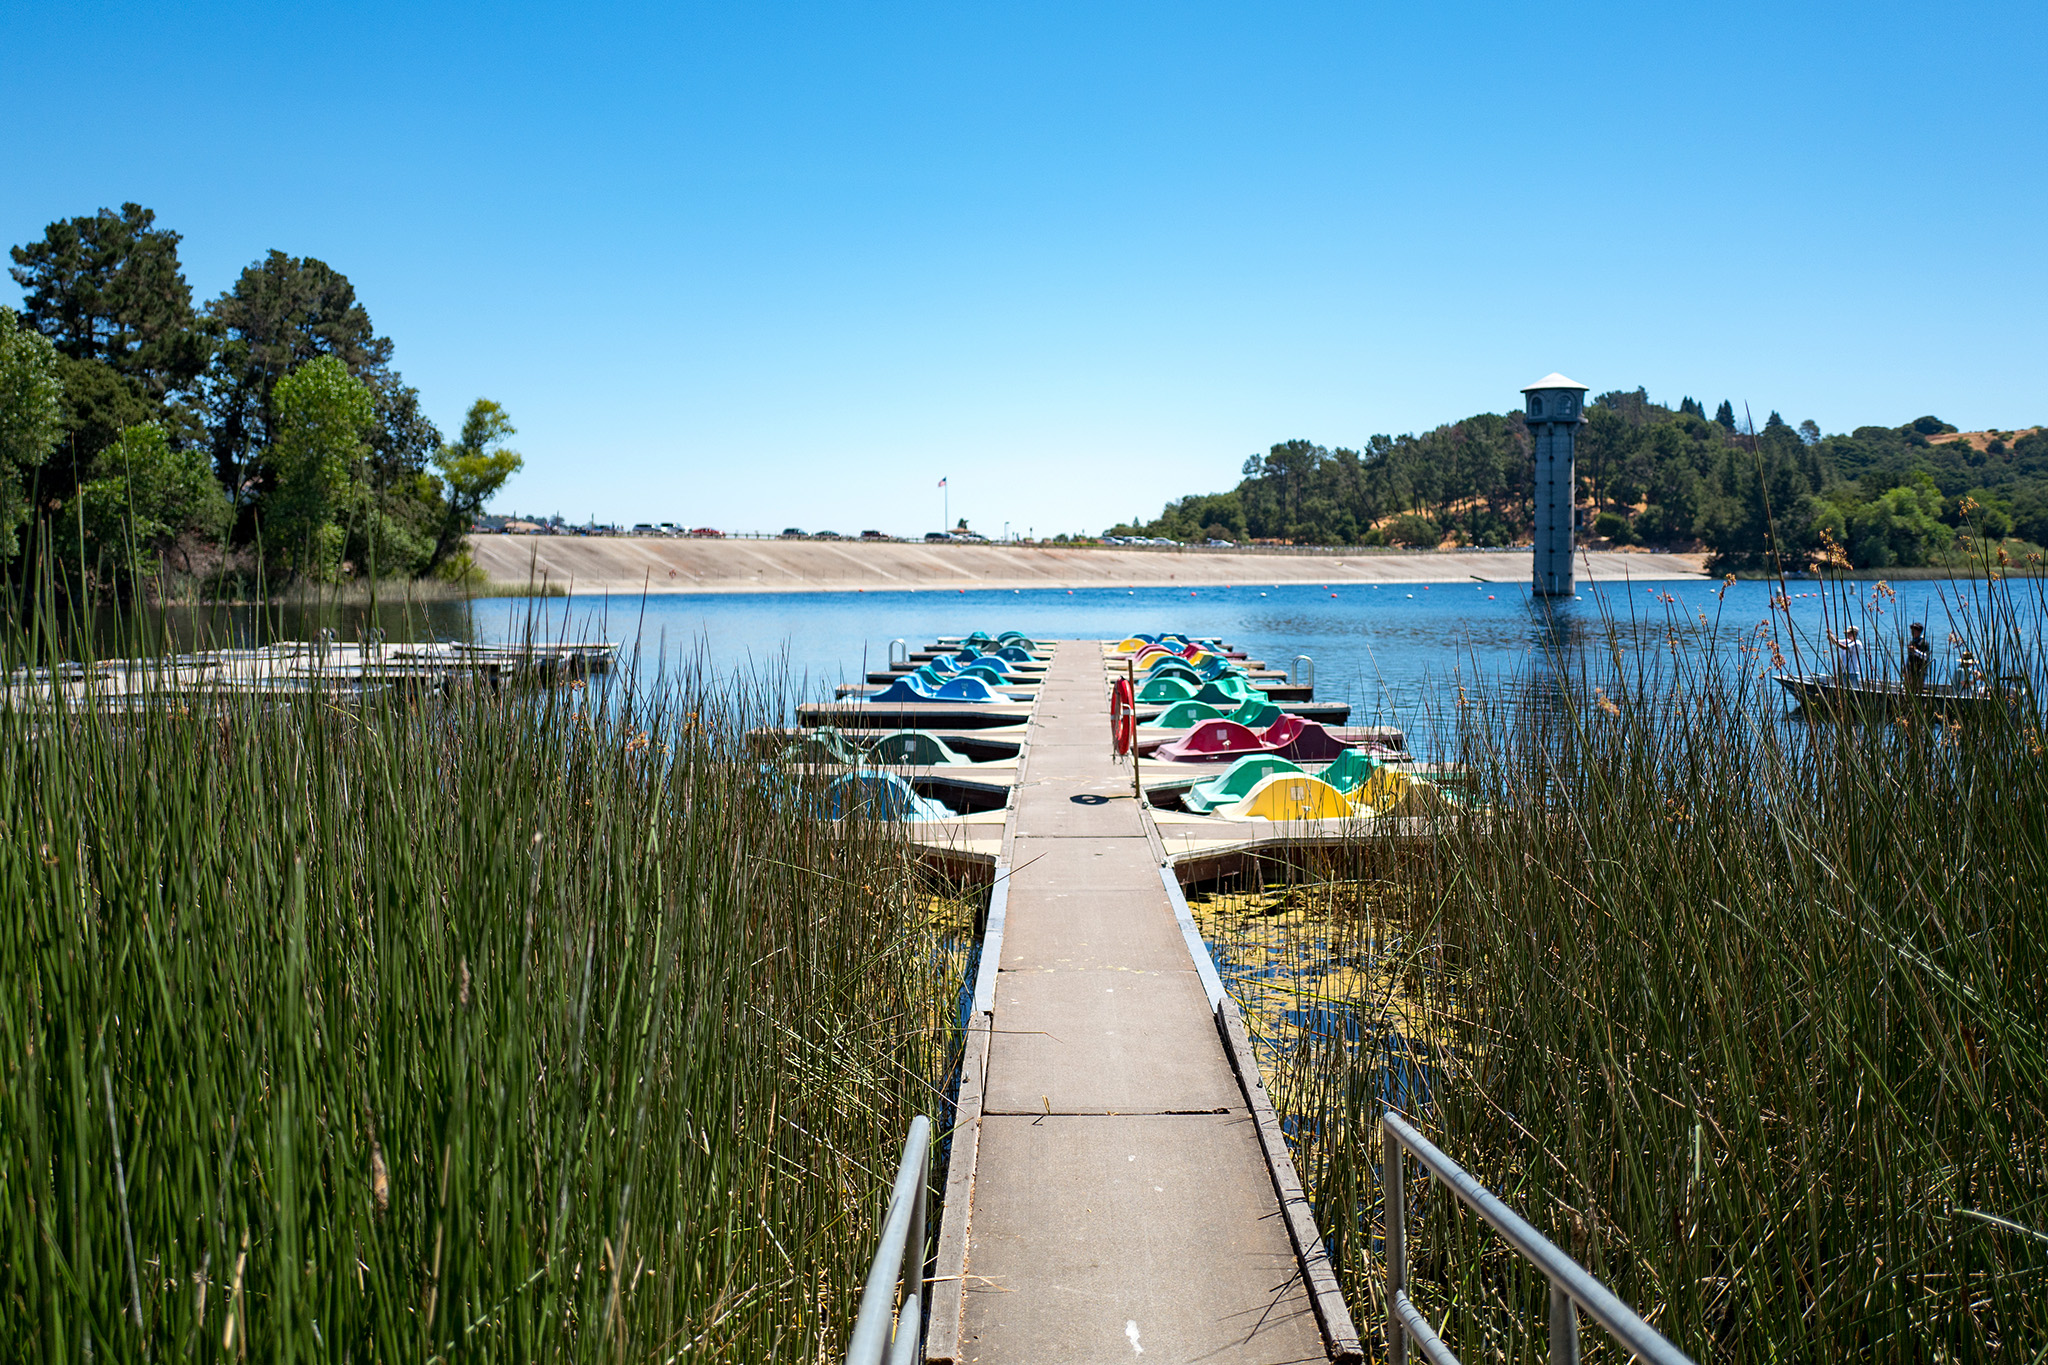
(772, 264)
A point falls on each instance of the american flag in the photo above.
(942, 483)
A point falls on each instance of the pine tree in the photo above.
(1725, 415)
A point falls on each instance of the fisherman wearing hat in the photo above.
(1848, 655)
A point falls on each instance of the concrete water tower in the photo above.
(1556, 405)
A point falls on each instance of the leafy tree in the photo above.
(1809, 432)
(1984, 514)
(146, 494)
(401, 523)
(283, 312)
(474, 468)
(31, 419)
(323, 422)
(1634, 407)
(1411, 529)
(109, 288)
(1901, 526)
(1725, 415)
(1603, 447)
(110, 294)
(1691, 407)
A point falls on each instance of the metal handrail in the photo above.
(1571, 1288)
(1303, 673)
(899, 1257)
(895, 656)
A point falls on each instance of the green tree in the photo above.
(397, 533)
(474, 468)
(1724, 416)
(145, 495)
(1900, 526)
(110, 294)
(324, 420)
(283, 312)
(1412, 529)
(31, 419)
(109, 288)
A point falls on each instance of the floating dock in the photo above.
(325, 665)
(1118, 1186)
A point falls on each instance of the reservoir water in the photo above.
(1396, 652)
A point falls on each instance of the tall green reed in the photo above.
(527, 1025)
(1745, 1013)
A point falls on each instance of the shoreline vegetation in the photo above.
(518, 1024)
(1742, 1010)
(261, 441)
(1747, 498)
(540, 1023)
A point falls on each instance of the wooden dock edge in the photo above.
(1340, 1335)
(948, 1282)
(948, 1296)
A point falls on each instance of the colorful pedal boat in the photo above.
(913, 749)
(1235, 784)
(1291, 796)
(1214, 740)
(879, 796)
(907, 689)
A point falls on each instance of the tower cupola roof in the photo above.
(1553, 381)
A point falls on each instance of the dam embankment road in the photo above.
(632, 564)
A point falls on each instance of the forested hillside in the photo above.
(1912, 495)
(265, 433)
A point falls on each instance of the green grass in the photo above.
(1745, 1014)
(518, 1027)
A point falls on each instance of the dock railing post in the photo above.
(1394, 1218)
(1137, 785)
(890, 1328)
(1564, 1328)
(1571, 1288)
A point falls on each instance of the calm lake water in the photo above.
(1395, 652)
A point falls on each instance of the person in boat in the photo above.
(1965, 677)
(1848, 655)
(1919, 653)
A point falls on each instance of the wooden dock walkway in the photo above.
(1110, 1195)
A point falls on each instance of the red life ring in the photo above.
(1123, 717)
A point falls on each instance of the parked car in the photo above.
(937, 538)
(708, 533)
(646, 528)
(791, 533)
(1215, 544)
(826, 535)
(874, 535)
